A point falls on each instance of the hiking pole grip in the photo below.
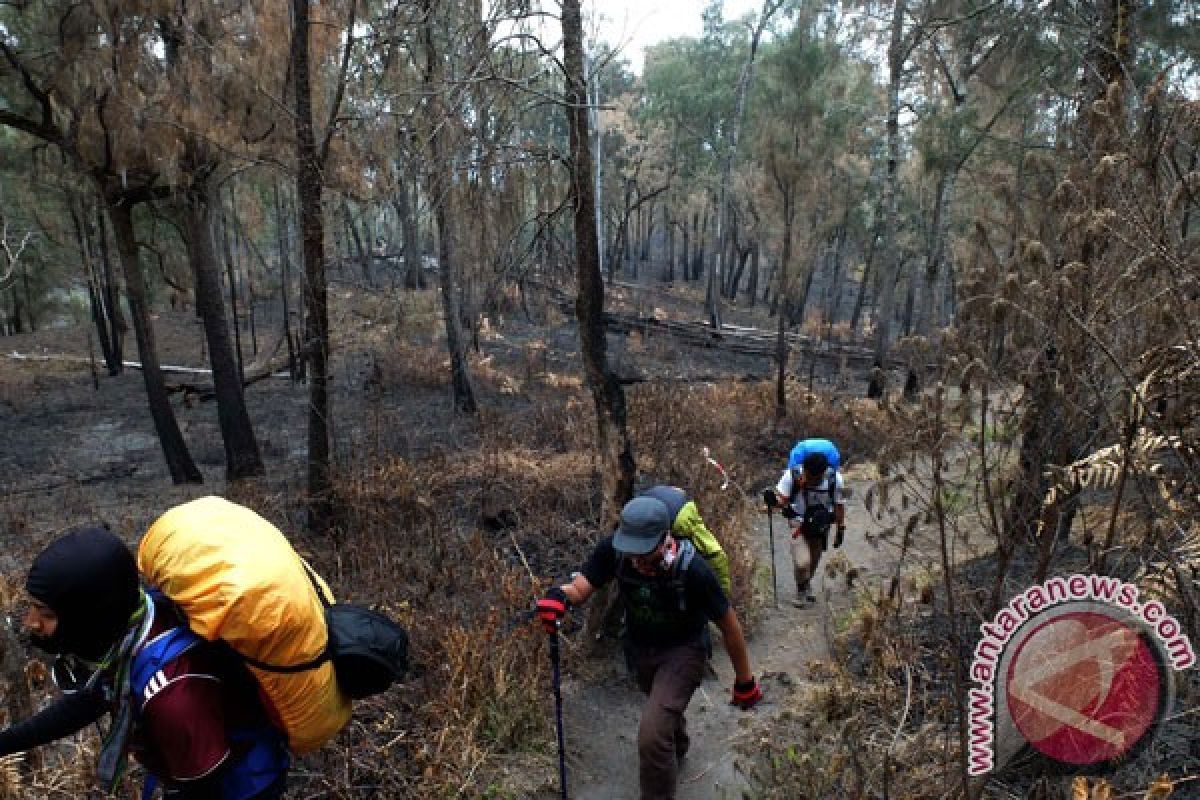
(558, 716)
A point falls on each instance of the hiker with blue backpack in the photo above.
(810, 496)
(669, 596)
(192, 718)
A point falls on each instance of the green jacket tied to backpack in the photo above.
(688, 524)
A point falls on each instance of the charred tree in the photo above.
(316, 309)
(242, 456)
(440, 187)
(612, 431)
(179, 461)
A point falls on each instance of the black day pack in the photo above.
(369, 650)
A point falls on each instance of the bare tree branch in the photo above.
(11, 257)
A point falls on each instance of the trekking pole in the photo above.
(558, 718)
(771, 534)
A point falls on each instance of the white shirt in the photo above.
(818, 496)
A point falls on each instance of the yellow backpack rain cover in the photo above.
(237, 578)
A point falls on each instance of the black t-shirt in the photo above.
(653, 613)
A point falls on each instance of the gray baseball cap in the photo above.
(644, 521)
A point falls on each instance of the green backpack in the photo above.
(687, 524)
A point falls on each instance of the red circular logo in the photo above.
(1084, 687)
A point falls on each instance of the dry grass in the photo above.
(405, 365)
(23, 383)
(413, 542)
(880, 721)
(456, 527)
(459, 545)
(879, 730)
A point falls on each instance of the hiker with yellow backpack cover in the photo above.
(231, 659)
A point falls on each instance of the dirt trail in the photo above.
(601, 716)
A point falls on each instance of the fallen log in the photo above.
(747, 341)
(731, 338)
(270, 365)
(66, 359)
(112, 473)
(274, 365)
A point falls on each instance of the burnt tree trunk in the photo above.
(440, 188)
(755, 271)
(615, 446)
(232, 277)
(414, 275)
(111, 292)
(179, 460)
(783, 294)
(285, 284)
(362, 251)
(685, 271)
(98, 307)
(868, 265)
(316, 309)
(886, 302)
(669, 229)
(242, 456)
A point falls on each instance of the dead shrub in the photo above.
(411, 541)
(23, 383)
(556, 420)
(874, 722)
(405, 365)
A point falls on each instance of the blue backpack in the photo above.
(817, 518)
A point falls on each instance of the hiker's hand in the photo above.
(788, 512)
(770, 498)
(746, 695)
(837, 539)
(552, 608)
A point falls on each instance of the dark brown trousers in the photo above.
(669, 676)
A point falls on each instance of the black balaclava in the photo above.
(90, 580)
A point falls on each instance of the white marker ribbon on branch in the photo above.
(724, 475)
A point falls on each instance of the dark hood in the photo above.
(90, 579)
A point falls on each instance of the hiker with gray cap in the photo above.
(669, 597)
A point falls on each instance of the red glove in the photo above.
(746, 695)
(552, 608)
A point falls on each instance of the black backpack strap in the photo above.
(312, 578)
(289, 669)
(326, 652)
(687, 551)
(830, 487)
